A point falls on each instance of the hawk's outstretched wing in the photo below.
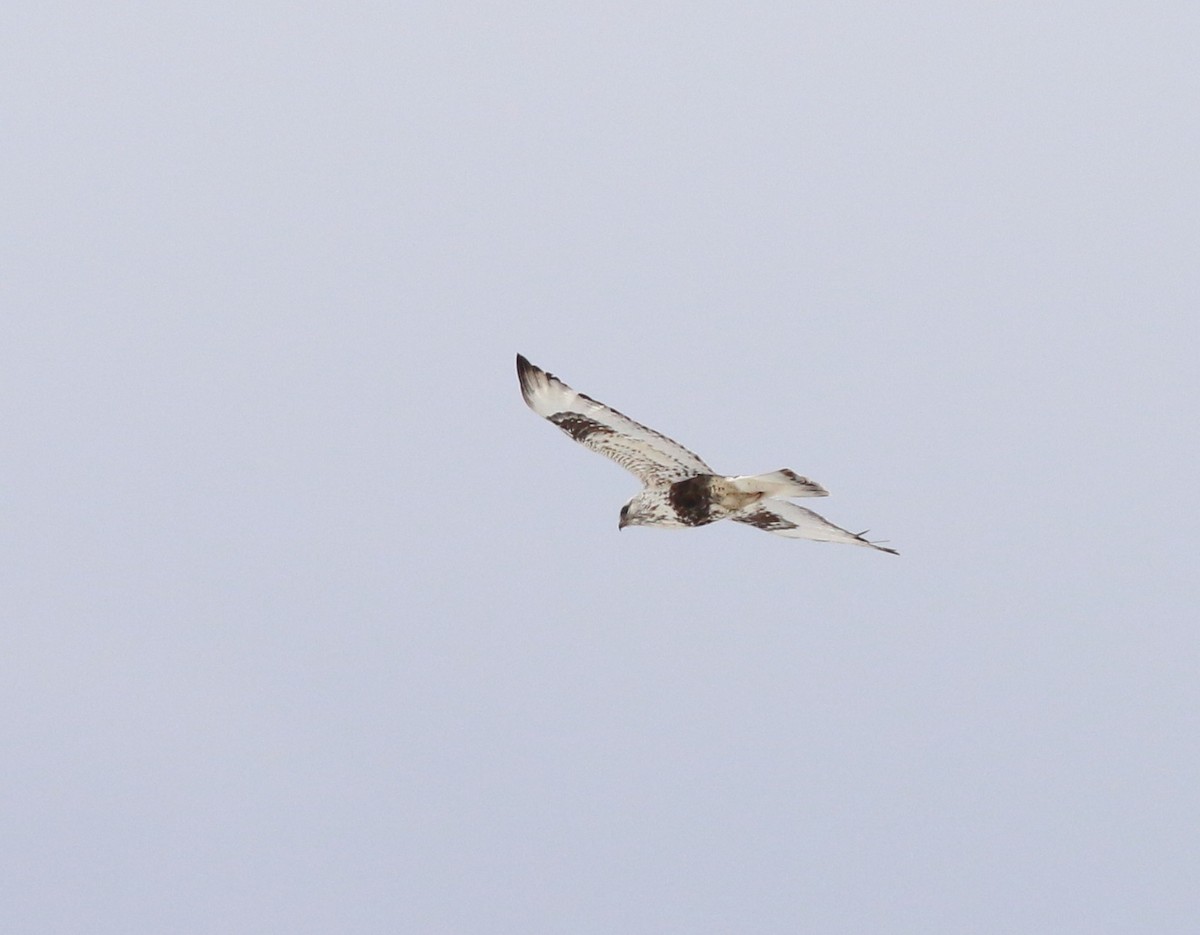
(653, 457)
(795, 522)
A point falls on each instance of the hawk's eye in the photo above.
(624, 511)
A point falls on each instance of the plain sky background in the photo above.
(309, 625)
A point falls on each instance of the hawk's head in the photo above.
(640, 511)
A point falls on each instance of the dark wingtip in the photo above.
(862, 537)
(526, 374)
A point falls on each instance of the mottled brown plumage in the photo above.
(680, 490)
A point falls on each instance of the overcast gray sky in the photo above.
(310, 626)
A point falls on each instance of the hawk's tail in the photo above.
(781, 483)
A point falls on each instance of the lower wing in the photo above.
(795, 522)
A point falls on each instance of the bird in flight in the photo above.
(679, 489)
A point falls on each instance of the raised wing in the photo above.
(795, 522)
(656, 459)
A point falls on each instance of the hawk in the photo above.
(679, 489)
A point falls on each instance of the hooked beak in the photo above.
(622, 524)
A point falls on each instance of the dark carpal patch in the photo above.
(578, 427)
(762, 519)
(691, 500)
